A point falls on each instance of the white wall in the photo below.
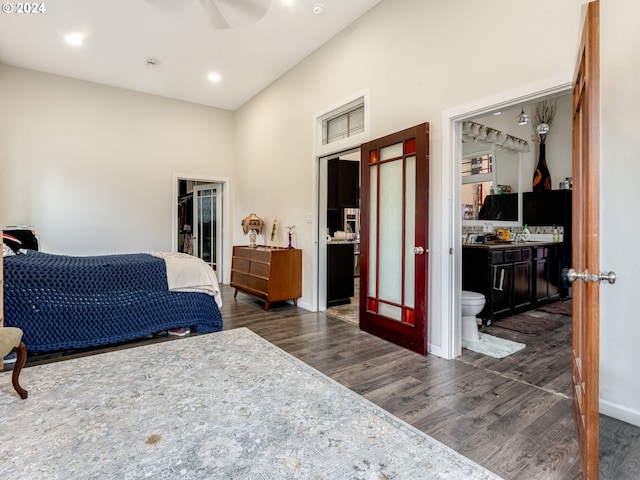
(418, 58)
(91, 167)
(619, 225)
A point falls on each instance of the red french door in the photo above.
(394, 216)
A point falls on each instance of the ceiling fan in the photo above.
(222, 13)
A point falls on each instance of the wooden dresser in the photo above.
(271, 274)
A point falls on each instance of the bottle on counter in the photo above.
(526, 234)
(556, 234)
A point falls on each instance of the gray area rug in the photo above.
(226, 405)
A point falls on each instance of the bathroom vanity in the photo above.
(513, 277)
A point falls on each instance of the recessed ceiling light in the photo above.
(214, 77)
(318, 9)
(497, 113)
(74, 39)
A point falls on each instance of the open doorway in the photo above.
(526, 301)
(338, 222)
(199, 220)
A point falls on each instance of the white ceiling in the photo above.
(120, 35)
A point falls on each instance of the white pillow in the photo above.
(6, 251)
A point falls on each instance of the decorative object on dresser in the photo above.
(270, 274)
(290, 229)
(253, 225)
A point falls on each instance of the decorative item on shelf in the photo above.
(253, 225)
(545, 111)
(290, 229)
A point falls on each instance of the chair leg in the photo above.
(17, 368)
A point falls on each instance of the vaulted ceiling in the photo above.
(212, 52)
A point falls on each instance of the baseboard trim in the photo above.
(620, 412)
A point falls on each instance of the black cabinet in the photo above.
(508, 277)
(343, 184)
(340, 280)
(547, 263)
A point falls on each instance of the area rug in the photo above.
(495, 347)
(528, 324)
(563, 308)
(226, 405)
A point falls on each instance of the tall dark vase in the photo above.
(542, 177)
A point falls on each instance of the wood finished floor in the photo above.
(513, 416)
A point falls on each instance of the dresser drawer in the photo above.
(241, 264)
(261, 256)
(260, 269)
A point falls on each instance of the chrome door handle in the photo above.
(418, 250)
(608, 276)
(572, 276)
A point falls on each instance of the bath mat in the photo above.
(495, 347)
(563, 308)
(529, 324)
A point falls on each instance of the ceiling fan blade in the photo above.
(235, 13)
(215, 15)
(169, 7)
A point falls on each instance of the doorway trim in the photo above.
(226, 214)
(446, 290)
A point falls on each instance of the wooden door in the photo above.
(394, 216)
(586, 239)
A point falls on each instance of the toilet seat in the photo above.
(471, 295)
(472, 298)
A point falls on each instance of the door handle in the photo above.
(571, 275)
(419, 250)
(608, 276)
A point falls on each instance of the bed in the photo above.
(65, 302)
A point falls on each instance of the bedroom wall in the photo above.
(91, 166)
(418, 58)
(619, 227)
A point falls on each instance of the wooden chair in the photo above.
(11, 340)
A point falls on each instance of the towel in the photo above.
(186, 273)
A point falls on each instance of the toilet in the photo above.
(472, 305)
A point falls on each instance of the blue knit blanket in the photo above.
(62, 302)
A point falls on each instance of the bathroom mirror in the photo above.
(490, 184)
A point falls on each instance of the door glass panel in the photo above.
(390, 233)
(410, 232)
(390, 311)
(392, 151)
(373, 228)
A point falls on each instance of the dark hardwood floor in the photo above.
(512, 416)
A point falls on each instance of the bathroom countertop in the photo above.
(503, 245)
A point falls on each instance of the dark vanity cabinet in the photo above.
(513, 277)
(548, 272)
(343, 184)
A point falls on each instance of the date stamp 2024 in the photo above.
(24, 8)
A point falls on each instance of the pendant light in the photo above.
(523, 118)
